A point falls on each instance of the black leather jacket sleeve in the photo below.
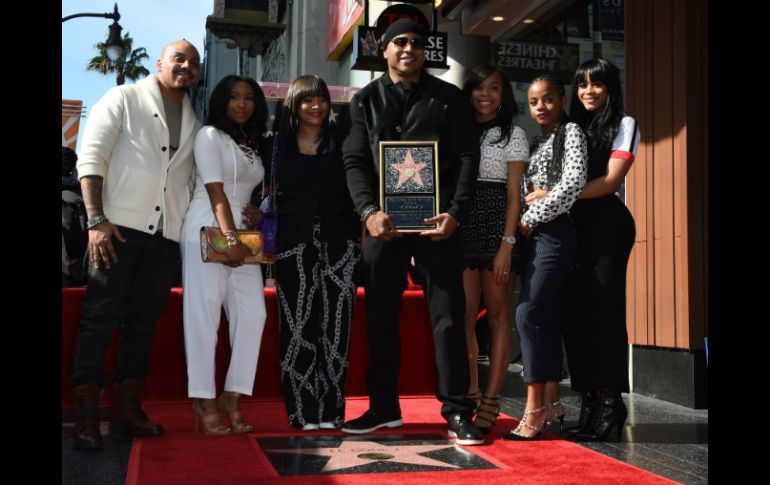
(357, 159)
(463, 141)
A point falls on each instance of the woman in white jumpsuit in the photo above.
(228, 168)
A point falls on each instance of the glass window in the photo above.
(582, 31)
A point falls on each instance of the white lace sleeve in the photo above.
(518, 146)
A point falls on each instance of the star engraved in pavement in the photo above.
(409, 170)
(355, 453)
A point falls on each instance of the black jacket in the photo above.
(433, 110)
(313, 188)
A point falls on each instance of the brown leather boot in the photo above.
(86, 435)
(127, 414)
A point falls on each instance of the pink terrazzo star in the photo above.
(355, 453)
(409, 170)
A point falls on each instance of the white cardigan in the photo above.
(125, 141)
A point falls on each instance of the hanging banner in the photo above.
(367, 54)
(71, 111)
(342, 18)
(612, 18)
(401, 11)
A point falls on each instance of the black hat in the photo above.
(401, 26)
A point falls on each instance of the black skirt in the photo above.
(483, 230)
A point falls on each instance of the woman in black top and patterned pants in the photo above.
(316, 255)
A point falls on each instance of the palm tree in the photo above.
(129, 65)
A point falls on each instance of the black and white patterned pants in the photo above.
(316, 295)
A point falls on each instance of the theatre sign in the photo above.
(522, 61)
(367, 53)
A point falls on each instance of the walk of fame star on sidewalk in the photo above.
(367, 454)
(350, 454)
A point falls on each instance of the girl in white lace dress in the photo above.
(489, 234)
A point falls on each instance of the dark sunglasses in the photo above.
(415, 42)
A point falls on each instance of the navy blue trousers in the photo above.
(549, 253)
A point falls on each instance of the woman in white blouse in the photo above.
(228, 167)
(558, 166)
(489, 234)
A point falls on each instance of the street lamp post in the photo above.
(114, 44)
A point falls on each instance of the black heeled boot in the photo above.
(588, 404)
(610, 412)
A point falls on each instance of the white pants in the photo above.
(208, 287)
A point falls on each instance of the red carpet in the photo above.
(182, 456)
(168, 376)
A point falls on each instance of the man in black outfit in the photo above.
(73, 222)
(409, 104)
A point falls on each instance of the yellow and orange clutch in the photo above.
(214, 246)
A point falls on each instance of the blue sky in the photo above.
(151, 23)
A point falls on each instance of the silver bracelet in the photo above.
(368, 210)
(231, 237)
(96, 221)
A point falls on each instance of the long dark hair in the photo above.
(254, 129)
(602, 127)
(555, 167)
(288, 119)
(508, 108)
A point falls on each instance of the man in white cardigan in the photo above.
(135, 167)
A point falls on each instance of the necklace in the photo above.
(309, 144)
(313, 143)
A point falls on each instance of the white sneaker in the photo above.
(328, 425)
(310, 427)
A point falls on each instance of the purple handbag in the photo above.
(268, 224)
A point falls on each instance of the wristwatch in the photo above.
(510, 239)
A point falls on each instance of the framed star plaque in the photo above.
(409, 188)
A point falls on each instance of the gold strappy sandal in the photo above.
(229, 403)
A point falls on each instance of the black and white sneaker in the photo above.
(370, 421)
(464, 432)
